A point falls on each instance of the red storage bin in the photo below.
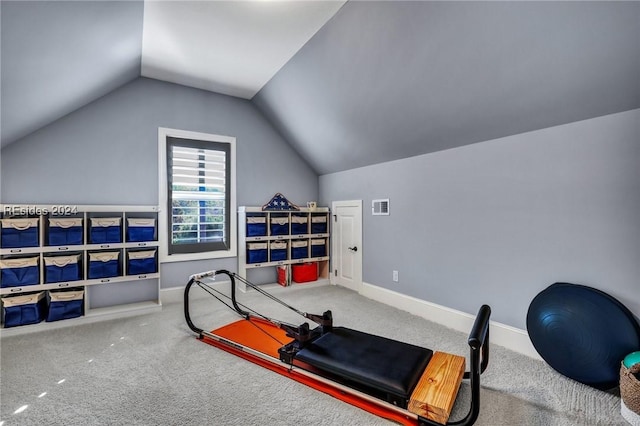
(283, 278)
(304, 272)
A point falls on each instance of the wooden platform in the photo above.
(436, 391)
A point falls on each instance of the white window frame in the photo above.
(163, 217)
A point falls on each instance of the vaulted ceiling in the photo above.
(58, 56)
(346, 84)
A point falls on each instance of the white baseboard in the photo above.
(504, 335)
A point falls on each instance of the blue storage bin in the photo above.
(65, 231)
(65, 305)
(17, 272)
(61, 268)
(257, 252)
(319, 224)
(256, 226)
(278, 250)
(105, 230)
(141, 262)
(19, 232)
(24, 309)
(299, 225)
(318, 247)
(103, 264)
(279, 225)
(299, 249)
(141, 229)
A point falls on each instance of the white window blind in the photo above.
(198, 194)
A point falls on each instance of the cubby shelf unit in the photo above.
(123, 293)
(275, 234)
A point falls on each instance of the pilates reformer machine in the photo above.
(398, 381)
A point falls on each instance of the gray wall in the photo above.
(107, 153)
(57, 56)
(499, 221)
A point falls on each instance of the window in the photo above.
(197, 195)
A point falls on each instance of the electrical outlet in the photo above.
(395, 276)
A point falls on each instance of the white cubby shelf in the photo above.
(77, 232)
(283, 238)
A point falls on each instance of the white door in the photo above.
(346, 237)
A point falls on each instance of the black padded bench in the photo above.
(378, 366)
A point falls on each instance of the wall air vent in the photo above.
(380, 207)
